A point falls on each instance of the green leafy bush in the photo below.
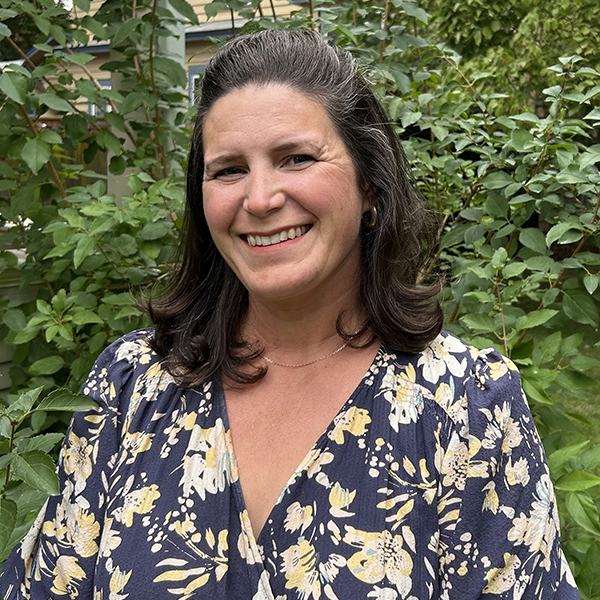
(518, 192)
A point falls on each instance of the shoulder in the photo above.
(127, 362)
(457, 377)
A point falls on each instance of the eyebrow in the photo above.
(290, 146)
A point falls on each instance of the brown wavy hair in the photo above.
(198, 318)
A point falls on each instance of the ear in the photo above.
(369, 198)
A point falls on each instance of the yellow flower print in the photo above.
(137, 442)
(404, 394)
(339, 499)
(85, 531)
(207, 465)
(381, 555)
(354, 421)
(298, 517)
(77, 460)
(538, 530)
(457, 465)
(502, 579)
(110, 539)
(67, 573)
(118, 581)
(517, 473)
(139, 501)
(300, 569)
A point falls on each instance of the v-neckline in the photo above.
(319, 444)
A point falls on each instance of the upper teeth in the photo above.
(282, 236)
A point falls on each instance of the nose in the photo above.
(263, 192)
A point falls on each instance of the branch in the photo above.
(384, 28)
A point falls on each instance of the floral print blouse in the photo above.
(430, 483)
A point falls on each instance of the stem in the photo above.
(310, 9)
(157, 119)
(501, 315)
(455, 67)
(549, 133)
(260, 10)
(11, 445)
(233, 34)
(454, 313)
(273, 10)
(384, 28)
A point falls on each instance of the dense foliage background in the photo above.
(497, 108)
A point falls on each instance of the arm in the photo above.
(504, 542)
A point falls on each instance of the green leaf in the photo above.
(55, 102)
(212, 9)
(63, 399)
(479, 322)
(125, 30)
(94, 27)
(154, 231)
(579, 306)
(557, 232)
(513, 269)
(562, 456)
(534, 319)
(47, 366)
(84, 248)
(185, 9)
(533, 239)
(24, 403)
(37, 470)
(583, 510)
(14, 319)
(36, 153)
(14, 85)
(591, 283)
(84, 317)
(79, 58)
(576, 481)
(588, 580)
(8, 519)
(497, 180)
(133, 100)
(4, 31)
(44, 443)
(547, 349)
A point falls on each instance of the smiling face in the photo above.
(281, 197)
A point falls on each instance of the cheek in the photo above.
(218, 212)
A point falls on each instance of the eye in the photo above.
(297, 160)
(228, 173)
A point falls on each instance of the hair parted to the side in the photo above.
(198, 319)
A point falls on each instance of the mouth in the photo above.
(277, 238)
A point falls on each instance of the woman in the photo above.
(296, 427)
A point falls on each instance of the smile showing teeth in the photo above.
(282, 236)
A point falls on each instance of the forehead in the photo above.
(253, 112)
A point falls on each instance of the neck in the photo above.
(300, 331)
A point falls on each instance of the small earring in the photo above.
(370, 218)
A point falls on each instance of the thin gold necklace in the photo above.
(310, 362)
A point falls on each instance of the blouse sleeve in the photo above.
(504, 541)
(58, 555)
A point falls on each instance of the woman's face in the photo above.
(281, 197)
